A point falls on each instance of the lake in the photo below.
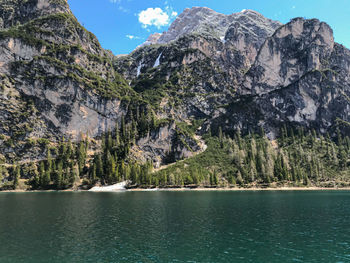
(266, 226)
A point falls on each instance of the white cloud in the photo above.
(132, 37)
(114, 1)
(154, 17)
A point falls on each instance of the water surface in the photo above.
(297, 226)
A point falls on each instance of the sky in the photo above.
(122, 25)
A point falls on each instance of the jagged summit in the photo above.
(205, 21)
(209, 71)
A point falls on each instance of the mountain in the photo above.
(56, 80)
(72, 113)
(199, 63)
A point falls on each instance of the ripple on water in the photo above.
(175, 227)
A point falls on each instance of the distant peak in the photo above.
(205, 21)
(199, 8)
(246, 11)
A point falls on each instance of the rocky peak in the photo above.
(249, 31)
(15, 12)
(152, 39)
(196, 20)
(205, 21)
(294, 49)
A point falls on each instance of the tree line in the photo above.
(298, 156)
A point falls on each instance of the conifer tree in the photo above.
(58, 181)
(48, 162)
(17, 175)
(1, 174)
(81, 155)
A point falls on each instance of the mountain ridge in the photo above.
(223, 74)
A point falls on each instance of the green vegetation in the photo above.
(62, 54)
(68, 55)
(67, 163)
(295, 159)
(292, 160)
(111, 166)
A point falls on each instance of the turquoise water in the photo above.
(175, 227)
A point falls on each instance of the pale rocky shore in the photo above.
(121, 187)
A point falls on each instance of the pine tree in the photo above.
(278, 168)
(58, 181)
(238, 139)
(81, 155)
(339, 137)
(49, 162)
(45, 179)
(41, 174)
(134, 174)
(72, 176)
(70, 150)
(117, 139)
(2, 174)
(109, 141)
(123, 128)
(93, 175)
(99, 166)
(17, 175)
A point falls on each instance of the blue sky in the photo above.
(122, 25)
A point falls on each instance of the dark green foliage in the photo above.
(16, 176)
(254, 160)
(111, 166)
(63, 170)
(297, 158)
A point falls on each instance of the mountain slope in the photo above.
(72, 113)
(300, 77)
(245, 71)
(56, 80)
(197, 65)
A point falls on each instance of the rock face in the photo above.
(239, 71)
(204, 21)
(56, 80)
(199, 62)
(167, 144)
(300, 77)
(295, 49)
(152, 39)
(243, 71)
(51, 60)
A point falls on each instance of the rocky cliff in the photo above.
(300, 77)
(208, 71)
(56, 80)
(244, 71)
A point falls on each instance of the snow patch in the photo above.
(110, 188)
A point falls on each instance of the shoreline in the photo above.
(185, 189)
